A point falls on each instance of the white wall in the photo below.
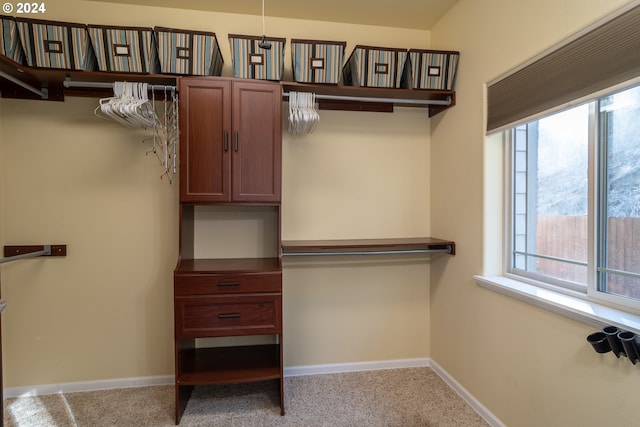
(529, 366)
(105, 311)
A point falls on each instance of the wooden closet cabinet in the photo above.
(231, 138)
(230, 159)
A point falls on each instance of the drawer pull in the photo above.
(229, 316)
(228, 284)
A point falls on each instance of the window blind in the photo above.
(602, 57)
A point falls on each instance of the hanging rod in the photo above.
(46, 251)
(43, 93)
(68, 83)
(401, 251)
(31, 252)
(425, 102)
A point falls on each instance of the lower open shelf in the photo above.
(227, 365)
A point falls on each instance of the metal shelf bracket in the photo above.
(14, 253)
(43, 93)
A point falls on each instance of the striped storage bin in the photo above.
(316, 61)
(124, 49)
(376, 67)
(188, 52)
(10, 45)
(250, 61)
(50, 44)
(433, 69)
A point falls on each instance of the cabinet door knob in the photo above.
(235, 142)
(226, 140)
(228, 316)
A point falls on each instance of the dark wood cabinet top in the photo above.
(228, 265)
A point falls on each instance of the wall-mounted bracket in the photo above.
(14, 253)
(43, 93)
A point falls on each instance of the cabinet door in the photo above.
(257, 141)
(205, 140)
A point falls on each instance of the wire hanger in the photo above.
(303, 117)
(130, 106)
(166, 136)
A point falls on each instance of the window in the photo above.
(575, 199)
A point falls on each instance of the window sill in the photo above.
(583, 311)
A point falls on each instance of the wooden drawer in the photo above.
(213, 283)
(228, 315)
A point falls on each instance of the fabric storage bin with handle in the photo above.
(250, 61)
(376, 67)
(10, 45)
(433, 69)
(188, 52)
(316, 61)
(124, 49)
(50, 44)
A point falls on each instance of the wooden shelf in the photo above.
(367, 246)
(53, 81)
(349, 98)
(355, 98)
(230, 265)
(227, 365)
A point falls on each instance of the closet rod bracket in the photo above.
(43, 92)
(14, 253)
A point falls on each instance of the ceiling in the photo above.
(412, 14)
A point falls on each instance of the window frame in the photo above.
(596, 146)
(545, 281)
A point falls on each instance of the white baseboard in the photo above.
(39, 390)
(294, 371)
(488, 416)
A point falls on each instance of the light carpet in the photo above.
(395, 397)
